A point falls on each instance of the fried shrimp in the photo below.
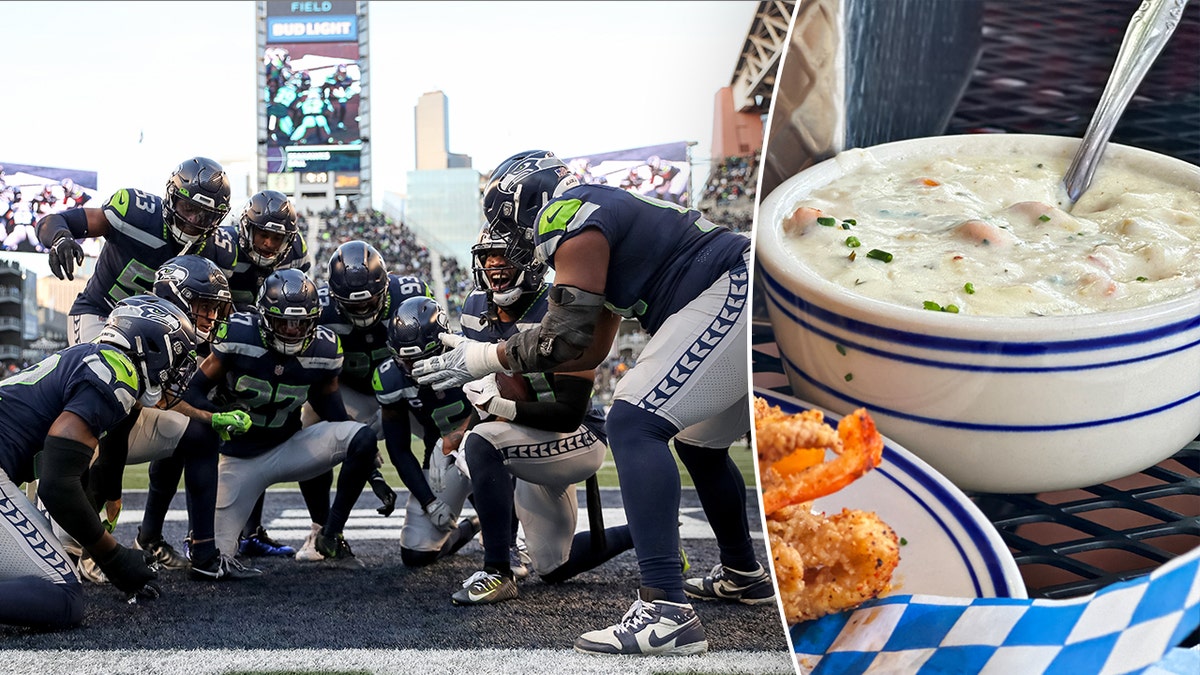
(857, 444)
(825, 564)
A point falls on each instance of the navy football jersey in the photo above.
(441, 410)
(245, 278)
(268, 385)
(477, 326)
(662, 255)
(97, 382)
(364, 349)
(137, 243)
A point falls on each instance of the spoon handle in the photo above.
(1149, 29)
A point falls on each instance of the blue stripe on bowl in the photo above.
(952, 502)
(875, 351)
(976, 346)
(977, 426)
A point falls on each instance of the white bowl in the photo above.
(996, 404)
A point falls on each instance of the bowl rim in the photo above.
(778, 266)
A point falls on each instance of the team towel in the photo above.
(1126, 627)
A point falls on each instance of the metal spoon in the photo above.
(1149, 29)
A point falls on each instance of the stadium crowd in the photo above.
(729, 194)
(395, 239)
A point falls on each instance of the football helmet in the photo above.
(516, 191)
(197, 286)
(272, 213)
(358, 282)
(289, 306)
(503, 284)
(414, 332)
(158, 337)
(197, 199)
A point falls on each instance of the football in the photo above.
(513, 387)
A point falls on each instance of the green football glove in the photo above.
(228, 424)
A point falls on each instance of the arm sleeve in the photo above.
(397, 434)
(329, 406)
(572, 399)
(60, 468)
(196, 394)
(565, 332)
(72, 222)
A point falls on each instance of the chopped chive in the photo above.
(849, 376)
(903, 541)
(969, 288)
(827, 221)
(932, 306)
(1143, 279)
(879, 255)
(853, 242)
(1044, 218)
(953, 309)
(845, 225)
(841, 349)
(851, 221)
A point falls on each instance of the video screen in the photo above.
(28, 192)
(658, 171)
(312, 94)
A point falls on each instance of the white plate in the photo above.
(950, 548)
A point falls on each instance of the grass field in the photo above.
(136, 475)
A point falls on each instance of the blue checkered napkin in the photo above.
(1124, 628)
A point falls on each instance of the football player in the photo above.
(141, 231)
(269, 364)
(432, 529)
(548, 443)
(50, 417)
(686, 282)
(357, 304)
(265, 238)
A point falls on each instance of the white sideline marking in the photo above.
(386, 662)
(293, 524)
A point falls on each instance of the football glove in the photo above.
(229, 424)
(484, 394)
(439, 464)
(65, 255)
(465, 360)
(440, 514)
(130, 571)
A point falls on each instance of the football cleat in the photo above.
(485, 587)
(164, 554)
(651, 627)
(385, 493)
(308, 552)
(519, 560)
(221, 567)
(89, 570)
(260, 544)
(335, 549)
(724, 583)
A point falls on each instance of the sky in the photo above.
(131, 89)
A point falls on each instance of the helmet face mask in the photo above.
(516, 192)
(267, 227)
(358, 282)
(289, 306)
(197, 286)
(197, 199)
(494, 271)
(414, 332)
(158, 337)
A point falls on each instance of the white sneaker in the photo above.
(308, 552)
(88, 569)
(651, 627)
(519, 560)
